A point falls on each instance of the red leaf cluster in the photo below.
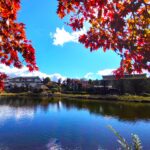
(118, 25)
(13, 40)
(2, 77)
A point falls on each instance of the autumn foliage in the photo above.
(119, 25)
(13, 39)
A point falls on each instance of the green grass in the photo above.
(127, 98)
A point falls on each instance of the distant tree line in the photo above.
(81, 86)
(122, 86)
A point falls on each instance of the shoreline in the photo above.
(115, 98)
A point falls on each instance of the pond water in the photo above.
(63, 124)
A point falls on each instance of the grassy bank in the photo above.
(22, 94)
(127, 98)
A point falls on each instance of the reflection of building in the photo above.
(27, 82)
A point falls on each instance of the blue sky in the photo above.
(71, 59)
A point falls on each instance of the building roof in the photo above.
(126, 76)
(35, 79)
(26, 77)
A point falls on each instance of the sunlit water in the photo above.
(33, 124)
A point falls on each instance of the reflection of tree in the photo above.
(20, 102)
(123, 111)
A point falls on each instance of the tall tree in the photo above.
(46, 80)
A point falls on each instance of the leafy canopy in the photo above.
(118, 25)
(13, 38)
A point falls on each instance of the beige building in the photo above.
(28, 82)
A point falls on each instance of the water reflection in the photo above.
(122, 111)
(62, 124)
(54, 144)
(25, 108)
(7, 112)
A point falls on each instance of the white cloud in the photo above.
(61, 36)
(110, 72)
(148, 73)
(99, 74)
(23, 72)
(105, 72)
(89, 75)
(56, 76)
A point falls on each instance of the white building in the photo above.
(28, 82)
